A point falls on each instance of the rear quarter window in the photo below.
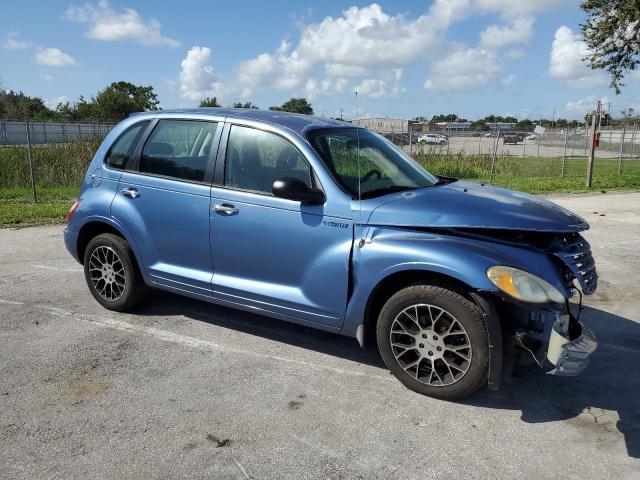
(122, 149)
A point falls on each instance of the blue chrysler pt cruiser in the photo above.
(324, 224)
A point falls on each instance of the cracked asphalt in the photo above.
(182, 388)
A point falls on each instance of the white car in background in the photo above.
(432, 139)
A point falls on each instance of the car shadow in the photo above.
(165, 303)
(611, 381)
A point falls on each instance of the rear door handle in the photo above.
(225, 209)
(131, 192)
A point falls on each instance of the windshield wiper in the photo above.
(385, 190)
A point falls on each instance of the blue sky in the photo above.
(410, 58)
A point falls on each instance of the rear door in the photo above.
(269, 253)
(164, 200)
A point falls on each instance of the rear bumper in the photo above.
(71, 242)
(575, 355)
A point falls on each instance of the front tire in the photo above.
(112, 274)
(434, 341)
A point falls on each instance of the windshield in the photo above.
(383, 168)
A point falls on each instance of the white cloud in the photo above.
(109, 25)
(508, 80)
(197, 79)
(519, 30)
(365, 44)
(463, 69)
(586, 104)
(54, 57)
(12, 42)
(367, 38)
(314, 87)
(515, 53)
(566, 61)
(54, 102)
(378, 88)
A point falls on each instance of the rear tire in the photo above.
(112, 274)
(434, 341)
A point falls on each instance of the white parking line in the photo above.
(56, 269)
(11, 302)
(192, 342)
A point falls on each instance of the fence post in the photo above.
(564, 153)
(410, 140)
(538, 139)
(64, 132)
(624, 130)
(493, 158)
(610, 134)
(31, 170)
(633, 139)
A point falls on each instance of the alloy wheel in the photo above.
(430, 345)
(107, 273)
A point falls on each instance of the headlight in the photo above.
(523, 286)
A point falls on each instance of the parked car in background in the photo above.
(324, 224)
(531, 136)
(432, 139)
(512, 137)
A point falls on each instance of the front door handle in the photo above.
(225, 208)
(131, 192)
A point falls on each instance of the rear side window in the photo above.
(256, 159)
(123, 147)
(178, 149)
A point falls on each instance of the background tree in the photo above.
(120, 99)
(448, 117)
(18, 106)
(295, 105)
(245, 105)
(209, 102)
(612, 33)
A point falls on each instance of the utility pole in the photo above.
(595, 116)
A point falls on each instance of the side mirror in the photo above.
(295, 189)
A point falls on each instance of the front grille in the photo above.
(576, 255)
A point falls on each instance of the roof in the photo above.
(293, 121)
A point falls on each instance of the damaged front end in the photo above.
(552, 336)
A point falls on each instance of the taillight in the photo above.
(72, 210)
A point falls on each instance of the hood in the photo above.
(473, 205)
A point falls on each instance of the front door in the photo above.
(164, 204)
(272, 254)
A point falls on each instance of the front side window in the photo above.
(367, 164)
(121, 150)
(178, 149)
(256, 159)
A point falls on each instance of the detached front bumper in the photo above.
(573, 355)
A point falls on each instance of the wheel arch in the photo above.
(395, 281)
(95, 227)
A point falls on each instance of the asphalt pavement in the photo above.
(182, 388)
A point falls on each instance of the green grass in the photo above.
(18, 209)
(55, 165)
(60, 169)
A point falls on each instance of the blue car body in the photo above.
(318, 265)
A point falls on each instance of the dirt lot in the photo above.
(184, 388)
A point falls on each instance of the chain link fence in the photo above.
(51, 155)
(42, 133)
(516, 158)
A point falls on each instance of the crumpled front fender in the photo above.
(387, 251)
